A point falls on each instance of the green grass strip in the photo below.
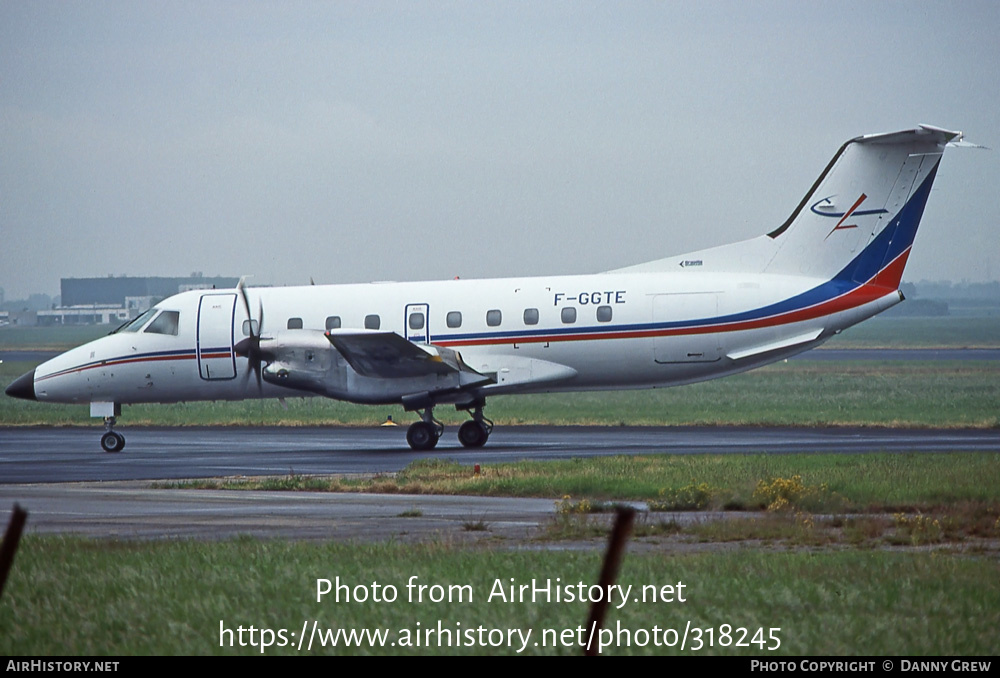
(96, 598)
(826, 482)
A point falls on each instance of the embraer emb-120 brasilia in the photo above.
(836, 261)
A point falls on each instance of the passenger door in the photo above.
(216, 358)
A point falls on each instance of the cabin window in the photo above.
(416, 321)
(493, 318)
(372, 322)
(454, 319)
(294, 324)
(603, 314)
(251, 327)
(333, 322)
(531, 316)
(569, 315)
(165, 323)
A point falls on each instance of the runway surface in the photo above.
(47, 455)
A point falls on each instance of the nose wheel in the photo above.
(111, 441)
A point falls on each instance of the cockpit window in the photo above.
(136, 325)
(165, 323)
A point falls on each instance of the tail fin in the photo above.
(858, 221)
(856, 224)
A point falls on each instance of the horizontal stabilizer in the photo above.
(776, 345)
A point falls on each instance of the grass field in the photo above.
(84, 598)
(798, 393)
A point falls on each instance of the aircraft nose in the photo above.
(23, 387)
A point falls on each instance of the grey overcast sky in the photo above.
(355, 141)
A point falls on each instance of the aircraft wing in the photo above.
(389, 356)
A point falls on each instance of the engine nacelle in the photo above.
(299, 359)
(307, 361)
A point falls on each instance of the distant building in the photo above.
(23, 318)
(86, 291)
(89, 301)
(95, 314)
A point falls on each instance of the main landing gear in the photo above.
(424, 435)
(111, 441)
(475, 433)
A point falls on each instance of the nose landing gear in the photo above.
(111, 441)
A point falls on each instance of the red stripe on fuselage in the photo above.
(118, 361)
(884, 282)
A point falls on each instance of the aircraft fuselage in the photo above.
(612, 331)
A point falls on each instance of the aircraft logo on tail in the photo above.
(843, 215)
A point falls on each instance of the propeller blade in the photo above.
(250, 346)
(246, 301)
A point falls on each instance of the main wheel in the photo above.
(472, 434)
(112, 442)
(421, 436)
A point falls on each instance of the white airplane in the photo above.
(836, 261)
